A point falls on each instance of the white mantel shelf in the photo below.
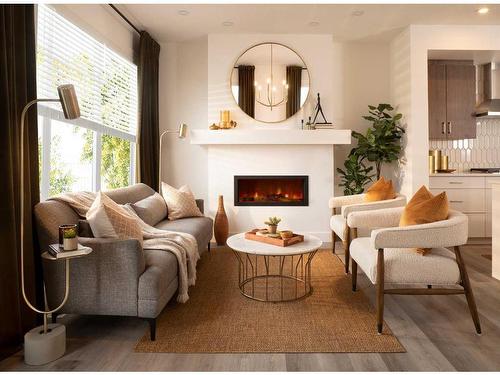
(271, 137)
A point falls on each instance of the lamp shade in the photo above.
(69, 101)
(182, 130)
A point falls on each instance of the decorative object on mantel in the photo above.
(318, 111)
(382, 142)
(272, 224)
(221, 225)
(225, 121)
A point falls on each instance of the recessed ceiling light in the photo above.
(483, 10)
(314, 23)
(228, 23)
(183, 12)
(358, 13)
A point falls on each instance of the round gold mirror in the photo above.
(270, 82)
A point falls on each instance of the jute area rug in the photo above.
(218, 319)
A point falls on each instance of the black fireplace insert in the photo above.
(271, 190)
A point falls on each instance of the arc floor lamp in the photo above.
(181, 133)
(44, 344)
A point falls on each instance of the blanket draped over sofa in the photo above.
(182, 245)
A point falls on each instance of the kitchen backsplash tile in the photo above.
(483, 151)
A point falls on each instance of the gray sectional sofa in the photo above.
(118, 277)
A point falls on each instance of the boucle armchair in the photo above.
(389, 257)
(343, 206)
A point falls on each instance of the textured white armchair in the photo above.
(388, 257)
(343, 206)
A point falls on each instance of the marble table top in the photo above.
(238, 242)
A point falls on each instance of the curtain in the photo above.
(148, 128)
(294, 80)
(246, 89)
(17, 87)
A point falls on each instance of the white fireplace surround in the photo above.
(231, 155)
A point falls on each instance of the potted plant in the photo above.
(70, 239)
(272, 224)
(382, 142)
(356, 175)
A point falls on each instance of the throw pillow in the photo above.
(151, 210)
(424, 208)
(381, 190)
(180, 202)
(110, 220)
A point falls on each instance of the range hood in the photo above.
(488, 90)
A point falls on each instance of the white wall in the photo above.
(365, 80)
(183, 98)
(421, 39)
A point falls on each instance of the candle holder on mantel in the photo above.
(225, 121)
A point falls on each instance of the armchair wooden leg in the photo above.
(380, 290)
(333, 241)
(347, 243)
(152, 328)
(208, 246)
(354, 275)
(468, 290)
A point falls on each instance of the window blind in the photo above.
(106, 83)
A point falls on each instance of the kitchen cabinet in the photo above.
(470, 194)
(451, 96)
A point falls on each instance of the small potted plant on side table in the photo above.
(272, 224)
(70, 239)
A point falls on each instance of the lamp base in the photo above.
(41, 348)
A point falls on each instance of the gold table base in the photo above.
(292, 273)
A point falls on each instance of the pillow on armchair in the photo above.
(180, 202)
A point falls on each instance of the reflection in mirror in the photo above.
(270, 82)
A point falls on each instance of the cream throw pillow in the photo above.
(109, 220)
(180, 202)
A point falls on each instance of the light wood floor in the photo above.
(437, 332)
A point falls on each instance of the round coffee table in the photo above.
(281, 273)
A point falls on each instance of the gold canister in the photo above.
(444, 162)
(431, 164)
(437, 159)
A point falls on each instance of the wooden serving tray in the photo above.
(296, 238)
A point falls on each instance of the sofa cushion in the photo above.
(405, 266)
(130, 194)
(151, 210)
(199, 227)
(158, 283)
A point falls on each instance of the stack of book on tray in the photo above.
(58, 252)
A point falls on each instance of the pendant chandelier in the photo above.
(271, 99)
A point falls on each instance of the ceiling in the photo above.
(377, 22)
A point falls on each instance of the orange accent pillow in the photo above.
(424, 208)
(380, 191)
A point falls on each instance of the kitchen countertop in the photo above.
(464, 174)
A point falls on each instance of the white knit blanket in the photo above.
(182, 245)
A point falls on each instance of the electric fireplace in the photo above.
(271, 190)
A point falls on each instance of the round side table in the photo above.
(284, 273)
(46, 343)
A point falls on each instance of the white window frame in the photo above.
(49, 114)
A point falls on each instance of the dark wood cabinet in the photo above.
(451, 99)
